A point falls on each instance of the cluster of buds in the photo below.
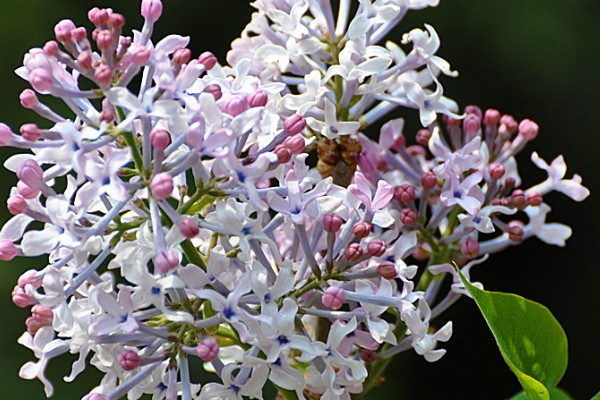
(185, 220)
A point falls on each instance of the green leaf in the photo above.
(555, 394)
(531, 341)
(596, 397)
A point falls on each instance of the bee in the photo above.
(338, 159)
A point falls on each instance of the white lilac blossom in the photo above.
(181, 216)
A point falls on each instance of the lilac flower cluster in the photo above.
(183, 218)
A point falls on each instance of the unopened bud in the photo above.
(27, 191)
(30, 132)
(28, 98)
(16, 204)
(103, 75)
(376, 247)
(429, 180)
(518, 198)
(368, 356)
(161, 186)
(387, 270)
(515, 231)
(182, 56)
(534, 198)
(84, 60)
(423, 136)
(258, 98)
(41, 80)
(334, 297)
(188, 228)
(353, 252)
(295, 143)
(63, 29)
(151, 9)
(408, 216)
(160, 138)
(8, 250)
(405, 193)
(165, 261)
(496, 171)
(470, 249)
(51, 48)
(491, 117)
(20, 298)
(361, 229)
(528, 129)
(332, 222)
(31, 173)
(294, 124)
(207, 59)
(104, 39)
(129, 360)
(283, 154)
(235, 105)
(215, 90)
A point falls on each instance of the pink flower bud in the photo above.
(496, 171)
(40, 316)
(491, 117)
(41, 80)
(528, 129)
(30, 132)
(376, 247)
(84, 60)
(151, 9)
(404, 193)
(534, 198)
(104, 39)
(51, 48)
(20, 298)
(515, 231)
(499, 202)
(161, 186)
(508, 125)
(207, 59)
(423, 136)
(140, 56)
(8, 250)
(235, 105)
(361, 229)
(258, 99)
(79, 33)
(165, 261)
(416, 150)
(129, 360)
(102, 17)
(334, 297)
(451, 122)
(188, 228)
(31, 173)
(215, 90)
(294, 124)
(470, 249)
(429, 180)
(472, 109)
(63, 29)
(518, 198)
(31, 277)
(295, 143)
(28, 98)
(408, 216)
(16, 204)
(368, 356)
(5, 135)
(353, 252)
(182, 56)
(471, 126)
(116, 20)
(160, 138)
(510, 182)
(27, 191)
(332, 222)
(103, 75)
(387, 270)
(283, 154)
(208, 349)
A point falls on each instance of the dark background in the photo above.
(535, 59)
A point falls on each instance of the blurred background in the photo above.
(537, 59)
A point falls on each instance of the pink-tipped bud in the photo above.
(161, 186)
(84, 60)
(51, 48)
(333, 298)
(235, 105)
(361, 229)
(31, 277)
(16, 204)
(140, 56)
(534, 198)
(471, 126)
(116, 20)
(528, 129)
(258, 98)
(496, 171)
(63, 29)
(368, 356)
(8, 250)
(28, 98)
(40, 316)
(41, 80)
(102, 16)
(294, 124)
(20, 298)
(208, 349)
(27, 191)
(416, 150)
(423, 136)
(404, 193)
(188, 228)
(510, 182)
(475, 110)
(353, 252)
(408, 216)
(429, 180)
(518, 199)
(79, 33)
(491, 117)
(151, 9)
(376, 247)
(6, 135)
(129, 360)
(470, 249)
(515, 231)
(207, 59)
(508, 125)
(104, 39)
(103, 75)
(283, 154)
(215, 90)
(451, 122)
(30, 132)
(332, 222)
(31, 173)
(160, 138)
(92, 15)
(182, 56)
(295, 143)
(165, 261)
(498, 201)
(387, 270)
